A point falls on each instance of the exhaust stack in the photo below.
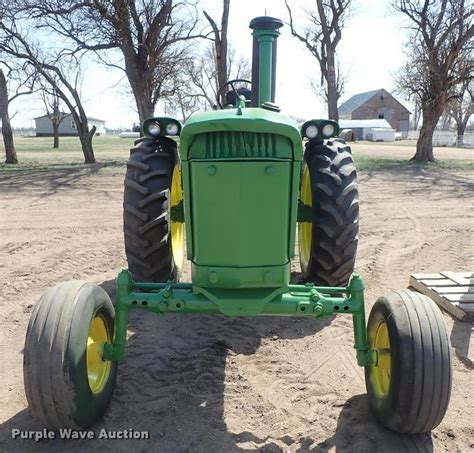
(264, 58)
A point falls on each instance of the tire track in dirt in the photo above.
(200, 383)
(394, 256)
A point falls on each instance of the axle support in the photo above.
(292, 300)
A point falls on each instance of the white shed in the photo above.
(67, 127)
(374, 130)
(378, 134)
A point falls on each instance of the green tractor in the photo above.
(233, 193)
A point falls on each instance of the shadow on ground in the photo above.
(460, 341)
(172, 385)
(57, 176)
(428, 177)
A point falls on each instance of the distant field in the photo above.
(37, 152)
(385, 156)
(269, 384)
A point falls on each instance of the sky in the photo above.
(370, 52)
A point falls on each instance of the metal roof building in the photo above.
(67, 127)
(374, 105)
(374, 130)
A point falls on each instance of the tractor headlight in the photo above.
(162, 125)
(172, 129)
(154, 128)
(328, 130)
(311, 131)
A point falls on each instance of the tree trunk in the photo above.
(461, 129)
(55, 134)
(221, 51)
(85, 137)
(424, 146)
(145, 107)
(7, 133)
(332, 86)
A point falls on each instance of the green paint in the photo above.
(252, 120)
(235, 222)
(241, 185)
(241, 174)
(265, 39)
(186, 298)
(240, 145)
(240, 277)
(356, 288)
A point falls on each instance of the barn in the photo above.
(67, 127)
(377, 104)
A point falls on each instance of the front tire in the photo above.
(328, 244)
(409, 386)
(67, 384)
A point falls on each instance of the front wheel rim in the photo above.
(177, 228)
(98, 369)
(305, 229)
(380, 372)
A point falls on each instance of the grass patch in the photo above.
(101, 144)
(38, 153)
(374, 163)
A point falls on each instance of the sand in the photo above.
(212, 384)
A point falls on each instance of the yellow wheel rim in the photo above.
(177, 228)
(305, 229)
(380, 372)
(98, 370)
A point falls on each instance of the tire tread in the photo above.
(49, 391)
(335, 213)
(418, 400)
(146, 215)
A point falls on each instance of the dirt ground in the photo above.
(212, 384)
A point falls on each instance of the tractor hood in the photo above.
(243, 129)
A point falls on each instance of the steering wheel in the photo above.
(231, 83)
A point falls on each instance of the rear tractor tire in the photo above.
(67, 383)
(154, 243)
(328, 245)
(409, 386)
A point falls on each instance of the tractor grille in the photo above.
(221, 145)
(228, 145)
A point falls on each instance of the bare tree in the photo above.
(415, 119)
(10, 151)
(321, 37)
(220, 45)
(24, 85)
(461, 108)
(208, 73)
(60, 69)
(322, 91)
(184, 102)
(439, 47)
(445, 121)
(150, 34)
(202, 74)
(52, 103)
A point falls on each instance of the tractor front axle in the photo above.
(186, 298)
